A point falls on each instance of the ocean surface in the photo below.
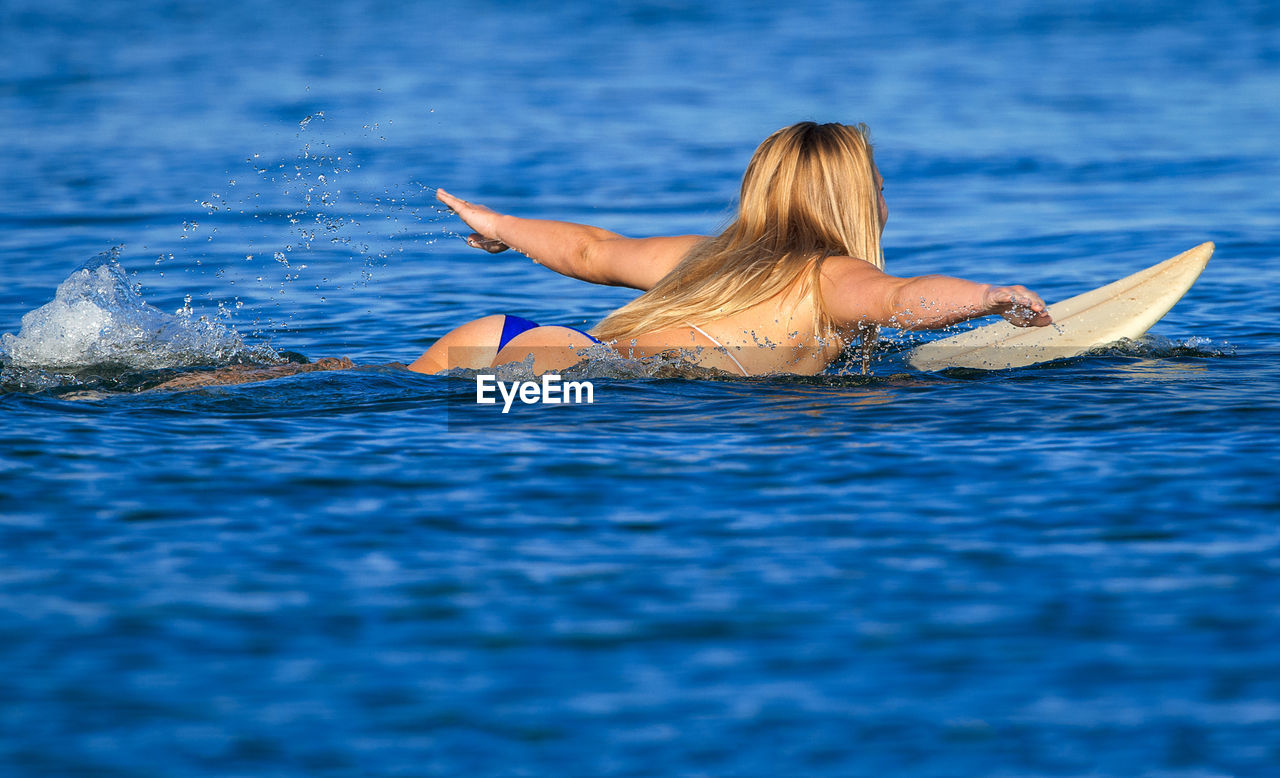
(1066, 569)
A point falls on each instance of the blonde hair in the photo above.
(809, 193)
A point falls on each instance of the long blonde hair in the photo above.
(809, 193)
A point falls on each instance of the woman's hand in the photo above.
(1018, 305)
(479, 218)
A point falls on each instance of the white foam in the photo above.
(98, 318)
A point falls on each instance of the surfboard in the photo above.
(1123, 309)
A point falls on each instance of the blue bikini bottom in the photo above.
(514, 325)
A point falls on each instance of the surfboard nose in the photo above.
(1122, 309)
(1201, 253)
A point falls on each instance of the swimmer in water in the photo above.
(785, 288)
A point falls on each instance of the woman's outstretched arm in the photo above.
(576, 250)
(857, 292)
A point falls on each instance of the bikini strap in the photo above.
(721, 346)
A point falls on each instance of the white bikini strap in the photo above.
(721, 345)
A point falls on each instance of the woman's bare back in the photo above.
(773, 336)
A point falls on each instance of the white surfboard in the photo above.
(1124, 309)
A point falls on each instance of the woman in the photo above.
(795, 277)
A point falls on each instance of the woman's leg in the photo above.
(245, 374)
(472, 345)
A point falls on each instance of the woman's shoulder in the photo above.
(849, 268)
(854, 290)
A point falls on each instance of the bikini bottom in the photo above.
(514, 325)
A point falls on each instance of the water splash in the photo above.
(315, 206)
(311, 198)
(1151, 346)
(99, 319)
(308, 217)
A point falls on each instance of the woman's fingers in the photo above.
(478, 217)
(1033, 310)
(456, 204)
(1027, 311)
(1023, 316)
(1028, 298)
(1021, 306)
(491, 245)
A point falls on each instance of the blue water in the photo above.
(1068, 569)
